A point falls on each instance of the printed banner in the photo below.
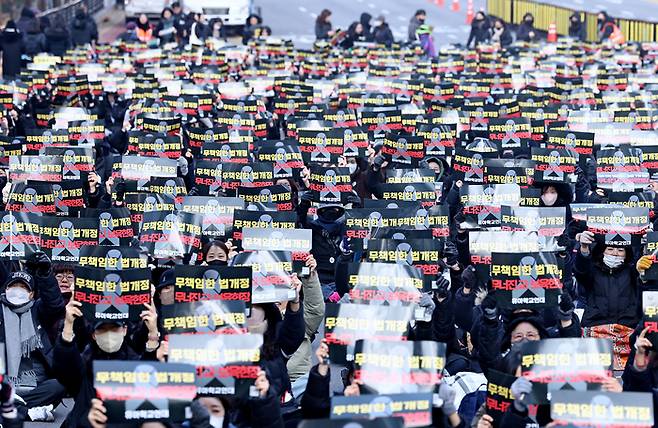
(271, 271)
(226, 365)
(144, 390)
(618, 226)
(62, 238)
(205, 316)
(21, 235)
(117, 295)
(602, 409)
(414, 409)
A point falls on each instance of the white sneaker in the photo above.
(41, 414)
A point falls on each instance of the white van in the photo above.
(233, 13)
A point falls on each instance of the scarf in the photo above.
(21, 337)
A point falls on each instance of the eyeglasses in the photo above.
(68, 276)
(531, 335)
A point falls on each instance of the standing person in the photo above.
(381, 33)
(84, 30)
(500, 34)
(180, 23)
(11, 44)
(414, 24)
(577, 28)
(58, 39)
(480, 30)
(252, 28)
(217, 30)
(323, 29)
(526, 31)
(166, 31)
(364, 20)
(199, 30)
(26, 19)
(34, 40)
(144, 29)
(608, 29)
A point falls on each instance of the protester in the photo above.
(12, 46)
(34, 40)
(577, 28)
(415, 23)
(500, 34)
(144, 29)
(381, 32)
(526, 31)
(83, 30)
(166, 30)
(480, 30)
(323, 28)
(58, 39)
(26, 20)
(270, 235)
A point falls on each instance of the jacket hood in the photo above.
(518, 318)
(365, 19)
(27, 13)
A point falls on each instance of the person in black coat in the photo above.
(606, 26)
(11, 44)
(577, 28)
(34, 40)
(83, 29)
(30, 304)
(381, 32)
(641, 371)
(165, 30)
(608, 275)
(480, 30)
(26, 19)
(58, 38)
(323, 29)
(526, 31)
(500, 34)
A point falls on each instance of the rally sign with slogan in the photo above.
(579, 364)
(415, 409)
(330, 185)
(209, 283)
(603, 409)
(618, 226)
(20, 235)
(205, 316)
(136, 391)
(384, 283)
(271, 274)
(118, 295)
(226, 365)
(62, 238)
(399, 367)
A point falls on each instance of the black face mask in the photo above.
(218, 263)
(330, 216)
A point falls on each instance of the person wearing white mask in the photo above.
(74, 369)
(610, 279)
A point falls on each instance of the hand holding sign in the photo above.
(644, 263)
(97, 416)
(322, 354)
(642, 346)
(150, 318)
(262, 384)
(520, 389)
(72, 312)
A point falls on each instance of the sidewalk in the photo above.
(111, 23)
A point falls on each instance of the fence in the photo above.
(512, 11)
(67, 10)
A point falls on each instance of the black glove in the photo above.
(378, 161)
(489, 308)
(38, 264)
(459, 218)
(442, 288)
(450, 253)
(193, 192)
(120, 189)
(469, 279)
(564, 241)
(566, 307)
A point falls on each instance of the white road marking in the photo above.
(302, 9)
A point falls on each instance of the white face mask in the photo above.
(612, 261)
(17, 296)
(351, 167)
(109, 341)
(549, 199)
(217, 421)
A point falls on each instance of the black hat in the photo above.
(530, 318)
(167, 278)
(20, 276)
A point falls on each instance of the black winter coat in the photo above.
(83, 31)
(523, 32)
(612, 294)
(480, 32)
(34, 43)
(11, 44)
(578, 31)
(322, 30)
(58, 40)
(383, 35)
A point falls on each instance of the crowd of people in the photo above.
(415, 223)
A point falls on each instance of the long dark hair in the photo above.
(322, 18)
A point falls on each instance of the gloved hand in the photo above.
(643, 263)
(566, 307)
(193, 192)
(564, 241)
(120, 189)
(38, 264)
(447, 394)
(489, 308)
(7, 396)
(378, 161)
(427, 302)
(442, 287)
(521, 388)
(183, 166)
(450, 253)
(469, 279)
